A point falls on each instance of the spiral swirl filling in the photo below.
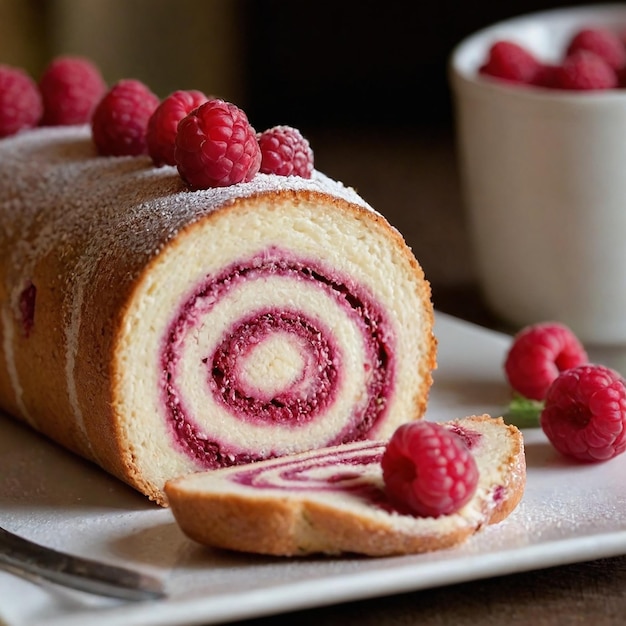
(265, 347)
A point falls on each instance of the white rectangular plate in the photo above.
(569, 513)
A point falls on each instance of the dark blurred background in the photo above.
(327, 63)
(360, 64)
(365, 81)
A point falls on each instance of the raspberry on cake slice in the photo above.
(429, 469)
(336, 500)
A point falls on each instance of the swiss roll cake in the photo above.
(158, 331)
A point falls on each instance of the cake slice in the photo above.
(333, 500)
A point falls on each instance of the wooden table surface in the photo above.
(413, 180)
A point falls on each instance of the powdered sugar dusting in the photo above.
(52, 177)
(61, 201)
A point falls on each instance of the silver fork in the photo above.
(31, 560)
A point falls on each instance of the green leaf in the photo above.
(523, 412)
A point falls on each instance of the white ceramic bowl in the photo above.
(544, 180)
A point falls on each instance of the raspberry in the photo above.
(585, 71)
(538, 354)
(284, 151)
(163, 124)
(545, 75)
(601, 41)
(120, 120)
(585, 413)
(20, 101)
(510, 61)
(428, 470)
(71, 87)
(216, 146)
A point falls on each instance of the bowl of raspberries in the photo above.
(565, 50)
(540, 110)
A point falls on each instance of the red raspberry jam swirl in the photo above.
(310, 395)
(346, 474)
(27, 308)
(317, 377)
(470, 438)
